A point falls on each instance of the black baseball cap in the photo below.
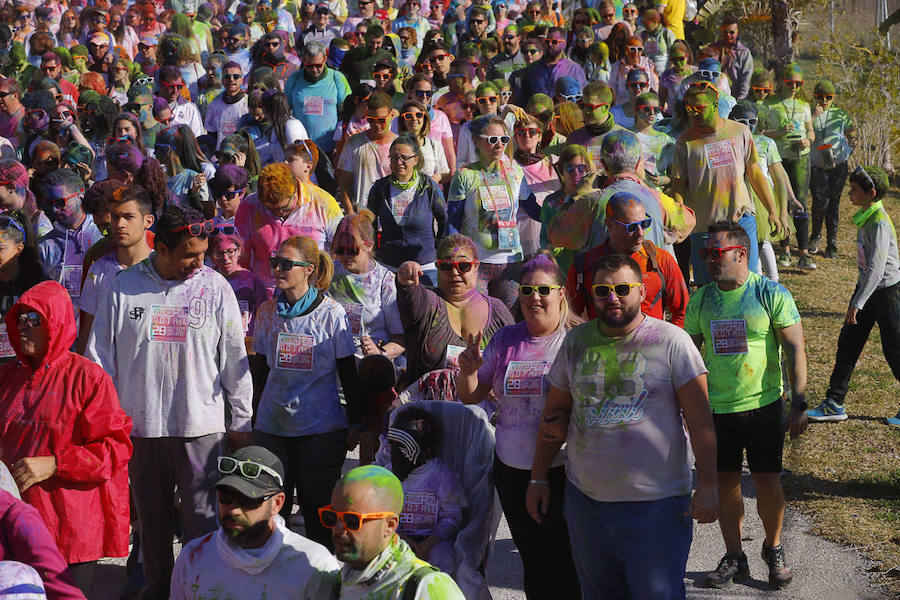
(241, 471)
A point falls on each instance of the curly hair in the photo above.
(276, 182)
(173, 218)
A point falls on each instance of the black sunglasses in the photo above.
(223, 230)
(230, 497)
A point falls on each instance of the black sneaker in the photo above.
(780, 575)
(732, 567)
(813, 246)
(830, 252)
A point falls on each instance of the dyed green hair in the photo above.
(386, 484)
(539, 103)
(486, 87)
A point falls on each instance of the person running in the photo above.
(252, 551)
(622, 389)
(744, 322)
(170, 336)
(876, 298)
(363, 516)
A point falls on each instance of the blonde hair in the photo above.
(308, 249)
(545, 262)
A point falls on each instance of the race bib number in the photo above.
(70, 278)
(729, 336)
(169, 323)
(420, 510)
(314, 105)
(245, 315)
(295, 351)
(354, 317)
(524, 378)
(6, 349)
(453, 353)
(507, 235)
(719, 154)
(494, 198)
(400, 203)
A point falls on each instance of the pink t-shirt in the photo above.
(440, 126)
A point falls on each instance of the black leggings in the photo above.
(826, 188)
(83, 576)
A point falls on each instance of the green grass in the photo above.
(845, 476)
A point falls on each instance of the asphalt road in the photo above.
(822, 570)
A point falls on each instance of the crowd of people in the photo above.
(239, 240)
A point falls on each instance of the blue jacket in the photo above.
(415, 239)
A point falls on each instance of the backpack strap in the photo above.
(411, 586)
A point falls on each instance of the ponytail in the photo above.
(324, 272)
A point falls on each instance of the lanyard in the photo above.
(505, 183)
(824, 124)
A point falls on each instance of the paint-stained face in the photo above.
(359, 547)
(595, 109)
(724, 261)
(240, 524)
(10, 248)
(701, 110)
(537, 307)
(351, 251)
(63, 205)
(632, 217)
(456, 279)
(225, 257)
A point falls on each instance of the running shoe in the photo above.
(829, 410)
(806, 263)
(830, 252)
(732, 567)
(813, 246)
(784, 259)
(895, 421)
(780, 575)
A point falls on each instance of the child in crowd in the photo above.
(433, 496)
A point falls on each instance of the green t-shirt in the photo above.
(740, 347)
(780, 112)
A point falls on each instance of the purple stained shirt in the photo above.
(251, 292)
(540, 78)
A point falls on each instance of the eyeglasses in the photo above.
(751, 123)
(6, 222)
(30, 319)
(352, 520)
(232, 76)
(543, 290)
(346, 250)
(231, 498)
(635, 49)
(231, 252)
(493, 139)
(602, 290)
(286, 264)
(695, 108)
(528, 131)
(223, 230)
(510, 37)
(580, 169)
(4, 94)
(505, 94)
(49, 68)
(825, 97)
(571, 97)
(588, 107)
(197, 229)
(487, 100)
(361, 99)
(414, 115)
(462, 266)
(247, 468)
(424, 93)
(611, 15)
(633, 226)
(678, 59)
(648, 109)
(629, 11)
(715, 253)
(377, 120)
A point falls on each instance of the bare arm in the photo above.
(84, 331)
(345, 184)
(764, 192)
(554, 422)
(791, 340)
(450, 153)
(678, 188)
(693, 398)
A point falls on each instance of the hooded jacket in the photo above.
(67, 408)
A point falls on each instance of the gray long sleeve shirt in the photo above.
(876, 254)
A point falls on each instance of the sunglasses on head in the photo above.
(571, 97)
(197, 229)
(424, 93)
(633, 226)
(286, 264)
(528, 131)
(232, 498)
(223, 230)
(351, 520)
(493, 139)
(461, 266)
(543, 290)
(30, 319)
(715, 253)
(603, 290)
(860, 172)
(377, 120)
(247, 468)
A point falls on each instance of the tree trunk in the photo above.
(781, 32)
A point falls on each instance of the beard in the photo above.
(249, 532)
(627, 316)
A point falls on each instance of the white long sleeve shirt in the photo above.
(175, 350)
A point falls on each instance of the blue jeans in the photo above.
(629, 550)
(698, 241)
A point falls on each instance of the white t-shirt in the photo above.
(370, 301)
(368, 161)
(287, 567)
(434, 159)
(516, 366)
(626, 439)
(301, 395)
(98, 283)
(223, 118)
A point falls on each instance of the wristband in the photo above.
(798, 402)
(538, 482)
